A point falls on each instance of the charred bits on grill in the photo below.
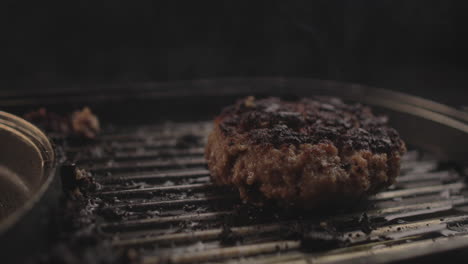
(81, 123)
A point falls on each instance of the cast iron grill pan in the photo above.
(156, 198)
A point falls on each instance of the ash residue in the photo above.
(79, 239)
(112, 214)
(79, 206)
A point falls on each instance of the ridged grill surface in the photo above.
(156, 197)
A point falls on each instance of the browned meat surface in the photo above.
(84, 123)
(306, 154)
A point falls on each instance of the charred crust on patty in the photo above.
(302, 152)
(318, 120)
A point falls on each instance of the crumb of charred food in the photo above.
(85, 123)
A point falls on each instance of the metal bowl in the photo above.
(27, 169)
(25, 161)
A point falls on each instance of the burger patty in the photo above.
(305, 153)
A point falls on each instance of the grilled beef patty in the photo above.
(305, 154)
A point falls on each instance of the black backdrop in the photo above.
(417, 46)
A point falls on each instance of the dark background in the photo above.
(419, 47)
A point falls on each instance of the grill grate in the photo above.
(155, 184)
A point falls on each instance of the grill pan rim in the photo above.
(47, 152)
(211, 87)
(174, 90)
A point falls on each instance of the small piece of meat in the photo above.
(304, 154)
(82, 123)
(85, 123)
